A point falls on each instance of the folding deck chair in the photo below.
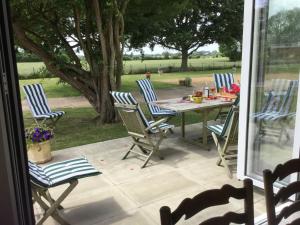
(229, 134)
(223, 80)
(55, 174)
(38, 105)
(273, 97)
(146, 135)
(277, 111)
(150, 96)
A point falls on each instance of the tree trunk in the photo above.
(184, 59)
(99, 33)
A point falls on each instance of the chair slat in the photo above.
(280, 172)
(189, 207)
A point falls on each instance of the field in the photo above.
(55, 89)
(137, 66)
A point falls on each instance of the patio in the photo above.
(126, 194)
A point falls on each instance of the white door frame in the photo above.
(249, 13)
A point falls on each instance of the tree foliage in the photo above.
(231, 49)
(56, 30)
(188, 25)
(284, 27)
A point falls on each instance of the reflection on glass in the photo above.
(274, 84)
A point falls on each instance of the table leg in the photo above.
(183, 124)
(204, 128)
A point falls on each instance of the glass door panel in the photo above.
(273, 85)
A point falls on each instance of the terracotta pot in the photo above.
(39, 152)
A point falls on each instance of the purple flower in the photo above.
(38, 134)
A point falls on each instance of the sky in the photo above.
(280, 5)
(158, 49)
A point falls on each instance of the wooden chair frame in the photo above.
(228, 151)
(191, 206)
(142, 136)
(284, 194)
(52, 121)
(49, 205)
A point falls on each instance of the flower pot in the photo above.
(39, 152)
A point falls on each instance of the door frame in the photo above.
(15, 191)
(246, 76)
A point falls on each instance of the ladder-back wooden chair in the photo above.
(53, 175)
(227, 141)
(273, 199)
(146, 135)
(38, 105)
(189, 207)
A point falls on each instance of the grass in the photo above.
(135, 66)
(77, 127)
(54, 89)
(26, 68)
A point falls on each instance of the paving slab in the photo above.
(126, 194)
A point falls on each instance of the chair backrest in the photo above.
(130, 112)
(280, 172)
(149, 94)
(279, 97)
(233, 128)
(36, 99)
(229, 118)
(223, 80)
(279, 86)
(289, 97)
(190, 207)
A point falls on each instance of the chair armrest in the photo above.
(157, 123)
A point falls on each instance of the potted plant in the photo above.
(38, 144)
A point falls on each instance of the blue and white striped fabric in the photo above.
(279, 108)
(221, 129)
(61, 172)
(223, 80)
(150, 96)
(279, 87)
(38, 103)
(274, 97)
(126, 98)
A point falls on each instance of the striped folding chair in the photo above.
(278, 111)
(146, 135)
(55, 174)
(38, 105)
(274, 98)
(150, 96)
(229, 134)
(223, 80)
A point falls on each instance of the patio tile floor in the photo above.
(125, 194)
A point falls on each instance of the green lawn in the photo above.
(26, 68)
(78, 128)
(54, 89)
(138, 66)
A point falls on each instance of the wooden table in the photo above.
(182, 106)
